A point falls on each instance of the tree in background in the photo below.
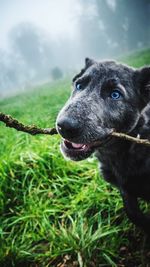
(126, 22)
(56, 73)
(115, 26)
(33, 47)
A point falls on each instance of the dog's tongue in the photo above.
(77, 145)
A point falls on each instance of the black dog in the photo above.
(106, 96)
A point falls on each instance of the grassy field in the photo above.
(56, 212)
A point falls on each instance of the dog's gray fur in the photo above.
(91, 114)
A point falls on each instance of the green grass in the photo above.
(52, 210)
(137, 59)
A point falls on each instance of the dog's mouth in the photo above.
(76, 151)
(76, 147)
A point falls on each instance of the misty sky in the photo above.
(38, 37)
(56, 17)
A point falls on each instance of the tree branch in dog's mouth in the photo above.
(34, 130)
(131, 138)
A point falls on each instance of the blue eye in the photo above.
(78, 86)
(115, 95)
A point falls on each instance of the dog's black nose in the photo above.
(68, 128)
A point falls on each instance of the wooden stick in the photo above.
(131, 138)
(34, 130)
(30, 129)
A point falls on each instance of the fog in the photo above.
(46, 40)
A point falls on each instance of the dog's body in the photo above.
(109, 96)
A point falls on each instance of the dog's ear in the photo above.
(89, 62)
(142, 82)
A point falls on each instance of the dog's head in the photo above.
(106, 96)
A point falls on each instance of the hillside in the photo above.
(52, 210)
